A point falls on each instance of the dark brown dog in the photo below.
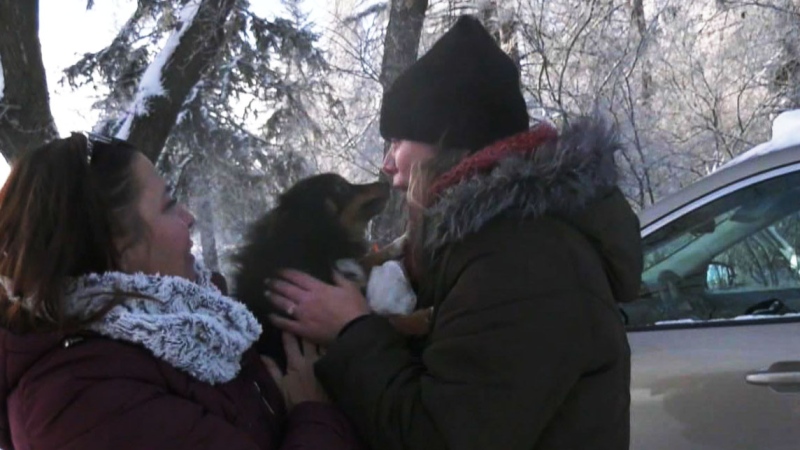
(319, 221)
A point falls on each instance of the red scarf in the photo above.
(524, 143)
(482, 161)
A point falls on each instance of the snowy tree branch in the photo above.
(172, 75)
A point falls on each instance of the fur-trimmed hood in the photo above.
(537, 175)
(572, 176)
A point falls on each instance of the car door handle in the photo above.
(782, 376)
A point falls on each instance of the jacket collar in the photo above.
(529, 175)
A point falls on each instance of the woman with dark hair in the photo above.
(113, 337)
(520, 247)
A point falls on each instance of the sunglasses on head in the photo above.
(95, 140)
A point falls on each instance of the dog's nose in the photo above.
(379, 190)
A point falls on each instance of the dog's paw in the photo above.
(388, 290)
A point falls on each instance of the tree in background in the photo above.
(689, 84)
(242, 114)
(196, 33)
(400, 47)
(218, 97)
(25, 117)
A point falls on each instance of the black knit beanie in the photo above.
(463, 93)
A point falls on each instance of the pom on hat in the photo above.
(463, 93)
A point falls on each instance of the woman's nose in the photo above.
(188, 217)
(389, 166)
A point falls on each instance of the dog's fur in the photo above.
(317, 222)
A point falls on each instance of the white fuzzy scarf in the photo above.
(191, 326)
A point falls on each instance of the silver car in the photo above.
(715, 336)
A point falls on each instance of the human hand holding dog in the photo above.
(299, 384)
(318, 310)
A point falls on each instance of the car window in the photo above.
(733, 258)
(765, 260)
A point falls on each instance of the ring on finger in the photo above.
(290, 309)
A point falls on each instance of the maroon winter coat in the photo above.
(92, 393)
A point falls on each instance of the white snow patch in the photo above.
(150, 86)
(4, 169)
(189, 99)
(785, 134)
(2, 81)
(732, 319)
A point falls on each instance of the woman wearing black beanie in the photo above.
(520, 246)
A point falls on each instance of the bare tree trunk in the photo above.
(197, 48)
(25, 118)
(788, 76)
(400, 51)
(502, 27)
(638, 19)
(401, 43)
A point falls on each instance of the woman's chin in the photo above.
(400, 185)
(191, 269)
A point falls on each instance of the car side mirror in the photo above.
(720, 276)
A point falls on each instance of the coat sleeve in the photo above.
(510, 340)
(123, 415)
(319, 426)
(309, 425)
(65, 406)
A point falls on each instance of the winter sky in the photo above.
(67, 31)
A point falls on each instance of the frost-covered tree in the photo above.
(265, 101)
(369, 43)
(246, 134)
(689, 84)
(219, 97)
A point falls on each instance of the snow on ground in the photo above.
(737, 318)
(785, 133)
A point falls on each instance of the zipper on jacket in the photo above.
(263, 399)
(71, 341)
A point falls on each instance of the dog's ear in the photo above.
(330, 205)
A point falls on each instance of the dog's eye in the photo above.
(331, 206)
(341, 188)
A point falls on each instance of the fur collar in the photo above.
(555, 177)
(191, 326)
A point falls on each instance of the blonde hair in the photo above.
(424, 173)
(416, 186)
